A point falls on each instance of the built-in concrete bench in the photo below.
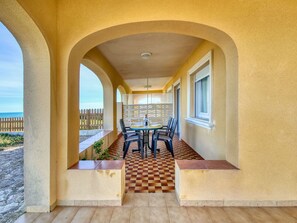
(190, 176)
(86, 147)
(95, 183)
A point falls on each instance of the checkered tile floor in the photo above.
(149, 175)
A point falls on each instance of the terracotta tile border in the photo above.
(98, 165)
(205, 165)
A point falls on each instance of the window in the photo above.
(202, 94)
(199, 93)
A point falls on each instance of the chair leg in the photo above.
(127, 144)
(171, 148)
(124, 146)
(155, 148)
(167, 145)
(153, 141)
(153, 138)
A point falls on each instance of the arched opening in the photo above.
(86, 50)
(39, 112)
(221, 39)
(119, 95)
(91, 90)
(91, 103)
(120, 92)
(11, 125)
(89, 61)
(11, 59)
(107, 92)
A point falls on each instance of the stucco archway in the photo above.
(211, 34)
(39, 153)
(121, 89)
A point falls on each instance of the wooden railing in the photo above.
(89, 119)
(11, 124)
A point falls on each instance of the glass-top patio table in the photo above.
(146, 135)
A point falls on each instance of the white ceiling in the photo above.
(169, 52)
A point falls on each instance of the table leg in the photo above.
(145, 141)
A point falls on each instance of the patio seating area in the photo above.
(149, 174)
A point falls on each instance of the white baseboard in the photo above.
(33, 209)
(239, 203)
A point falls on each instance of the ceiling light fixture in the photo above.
(146, 55)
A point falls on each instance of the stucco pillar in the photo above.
(39, 110)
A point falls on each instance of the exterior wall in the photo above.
(209, 143)
(264, 35)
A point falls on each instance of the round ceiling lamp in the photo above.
(146, 55)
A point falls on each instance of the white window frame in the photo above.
(202, 115)
(203, 119)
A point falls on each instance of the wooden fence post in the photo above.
(88, 119)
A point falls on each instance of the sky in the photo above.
(90, 89)
(11, 73)
(11, 78)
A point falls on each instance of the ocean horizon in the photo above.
(11, 114)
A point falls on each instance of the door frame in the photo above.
(177, 85)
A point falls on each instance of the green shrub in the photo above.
(10, 140)
(103, 154)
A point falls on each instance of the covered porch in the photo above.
(226, 69)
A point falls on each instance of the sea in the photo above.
(11, 114)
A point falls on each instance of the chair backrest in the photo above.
(173, 127)
(122, 124)
(169, 123)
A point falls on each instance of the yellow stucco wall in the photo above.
(209, 143)
(264, 33)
